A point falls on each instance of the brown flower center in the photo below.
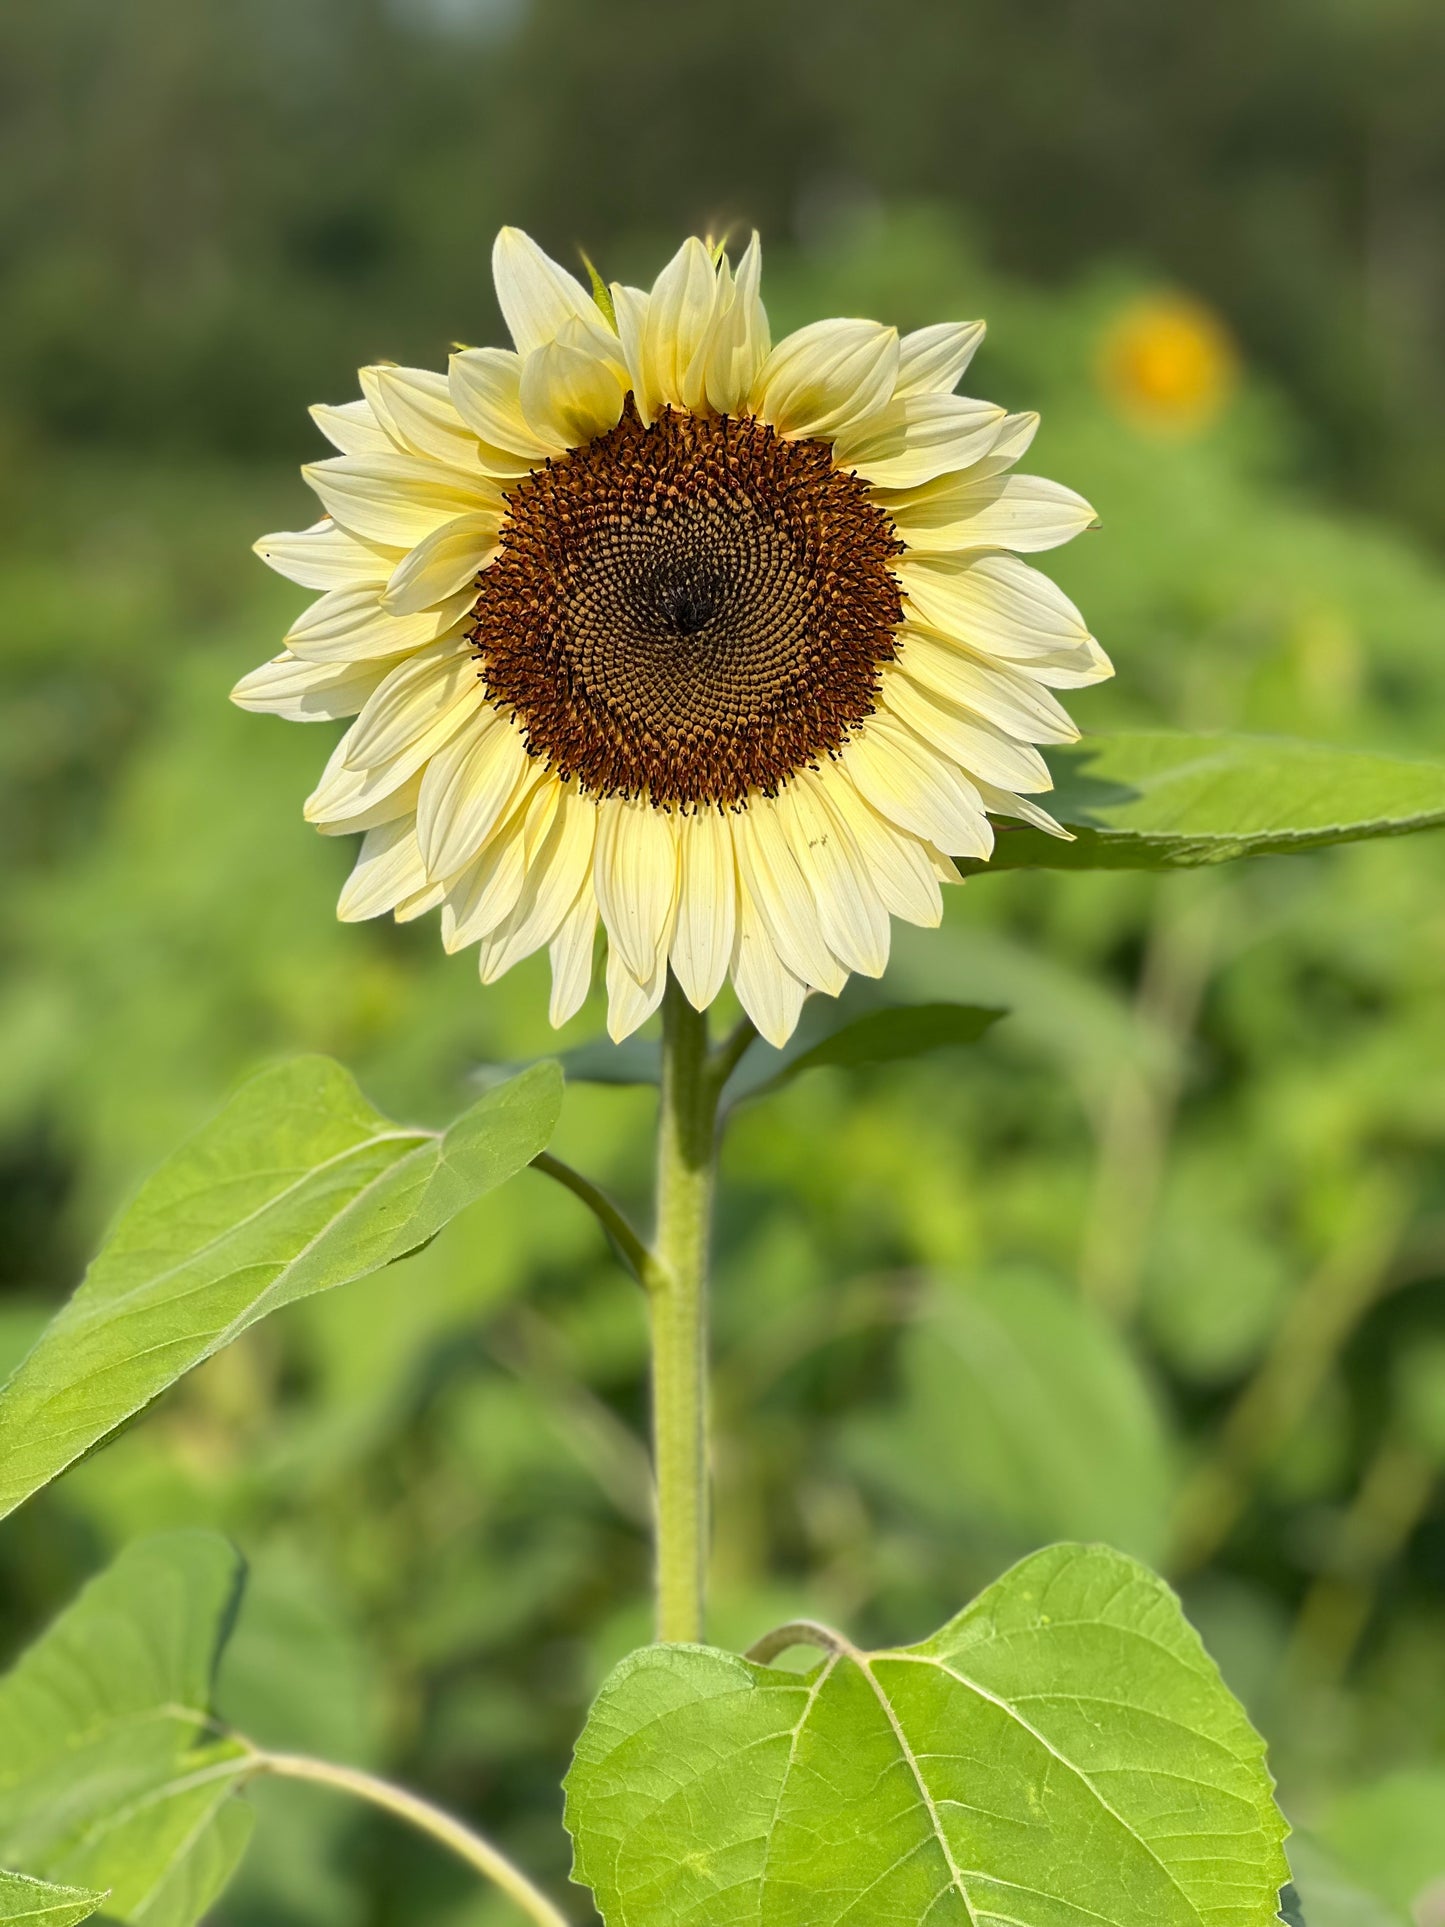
(689, 611)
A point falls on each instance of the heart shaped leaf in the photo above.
(112, 1777)
(35, 1903)
(1156, 800)
(1062, 1752)
(297, 1186)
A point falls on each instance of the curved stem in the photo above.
(686, 1154)
(798, 1632)
(471, 1847)
(629, 1245)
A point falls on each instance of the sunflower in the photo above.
(648, 620)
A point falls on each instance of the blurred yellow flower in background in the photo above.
(1169, 364)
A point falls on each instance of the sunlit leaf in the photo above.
(1156, 800)
(35, 1903)
(111, 1777)
(877, 1037)
(1063, 1751)
(297, 1186)
(1022, 1408)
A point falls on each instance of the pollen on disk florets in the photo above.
(690, 611)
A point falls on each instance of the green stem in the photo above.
(471, 1847)
(625, 1241)
(686, 1157)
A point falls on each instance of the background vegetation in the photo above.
(1162, 1261)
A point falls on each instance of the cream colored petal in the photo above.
(702, 943)
(770, 877)
(738, 344)
(915, 788)
(1026, 513)
(1015, 438)
(399, 801)
(396, 499)
(353, 428)
(914, 440)
(826, 376)
(898, 863)
(351, 625)
(486, 892)
(417, 905)
(570, 394)
(570, 953)
(851, 912)
(388, 871)
(346, 793)
(469, 788)
(1005, 803)
(931, 361)
(999, 606)
(979, 747)
(416, 405)
(679, 316)
(1009, 698)
(307, 692)
(767, 990)
(442, 564)
(326, 557)
(630, 306)
(635, 876)
(630, 1003)
(486, 386)
(555, 876)
(411, 700)
(537, 297)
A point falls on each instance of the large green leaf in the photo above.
(35, 1903)
(1024, 1409)
(298, 1185)
(1063, 1752)
(1156, 800)
(111, 1775)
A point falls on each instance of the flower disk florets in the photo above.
(688, 611)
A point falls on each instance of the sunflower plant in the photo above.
(655, 636)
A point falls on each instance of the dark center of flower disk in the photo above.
(688, 611)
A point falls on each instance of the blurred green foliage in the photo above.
(1205, 1149)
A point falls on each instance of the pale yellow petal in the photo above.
(400, 800)
(346, 793)
(326, 557)
(1009, 698)
(388, 870)
(770, 878)
(852, 914)
(308, 692)
(485, 894)
(411, 699)
(913, 440)
(931, 361)
(569, 393)
(826, 376)
(898, 863)
(635, 876)
(486, 387)
(416, 404)
(915, 788)
(1015, 438)
(680, 312)
(999, 606)
(443, 563)
(352, 427)
(469, 788)
(630, 1003)
(1025, 513)
(396, 500)
(353, 625)
(767, 990)
(555, 876)
(1005, 803)
(738, 344)
(536, 296)
(570, 953)
(702, 943)
(975, 744)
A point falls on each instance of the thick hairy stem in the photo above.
(471, 1847)
(686, 1155)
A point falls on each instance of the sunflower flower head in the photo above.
(649, 621)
